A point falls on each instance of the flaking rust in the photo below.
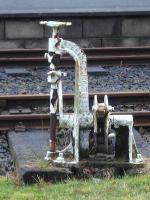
(95, 135)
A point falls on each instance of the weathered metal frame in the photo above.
(82, 119)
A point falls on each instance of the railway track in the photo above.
(21, 112)
(109, 56)
(18, 109)
(31, 111)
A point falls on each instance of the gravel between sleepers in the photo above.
(127, 78)
(116, 78)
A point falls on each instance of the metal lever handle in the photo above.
(55, 24)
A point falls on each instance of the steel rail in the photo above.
(114, 97)
(89, 51)
(101, 59)
(42, 121)
(89, 58)
(46, 116)
(71, 95)
(7, 121)
(115, 55)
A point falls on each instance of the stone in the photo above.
(2, 30)
(3, 76)
(87, 43)
(98, 27)
(23, 29)
(145, 41)
(120, 42)
(115, 80)
(143, 147)
(11, 44)
(5, 157)
(32, 44)
(28, 150)
(139, 27)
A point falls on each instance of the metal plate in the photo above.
(97, 70)
(16, 71)
(19, 110)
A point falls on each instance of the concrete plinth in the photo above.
(143, 147)
(28, 150)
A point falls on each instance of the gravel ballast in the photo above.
(6, 162)
(125, 78)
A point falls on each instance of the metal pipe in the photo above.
(53, 124)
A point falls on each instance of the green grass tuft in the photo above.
(126, 188)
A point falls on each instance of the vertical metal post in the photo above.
(53, 119)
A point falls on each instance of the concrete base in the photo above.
(142, 146)
(28, 150)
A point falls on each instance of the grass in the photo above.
(42, 164)
(127, 188)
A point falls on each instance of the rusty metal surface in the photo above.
(46, 116)
(42, 121)
(114, 55)
(31, 100)
(128, 59)
(89, 51)
(71, 96)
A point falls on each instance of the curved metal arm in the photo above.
(81, 119)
